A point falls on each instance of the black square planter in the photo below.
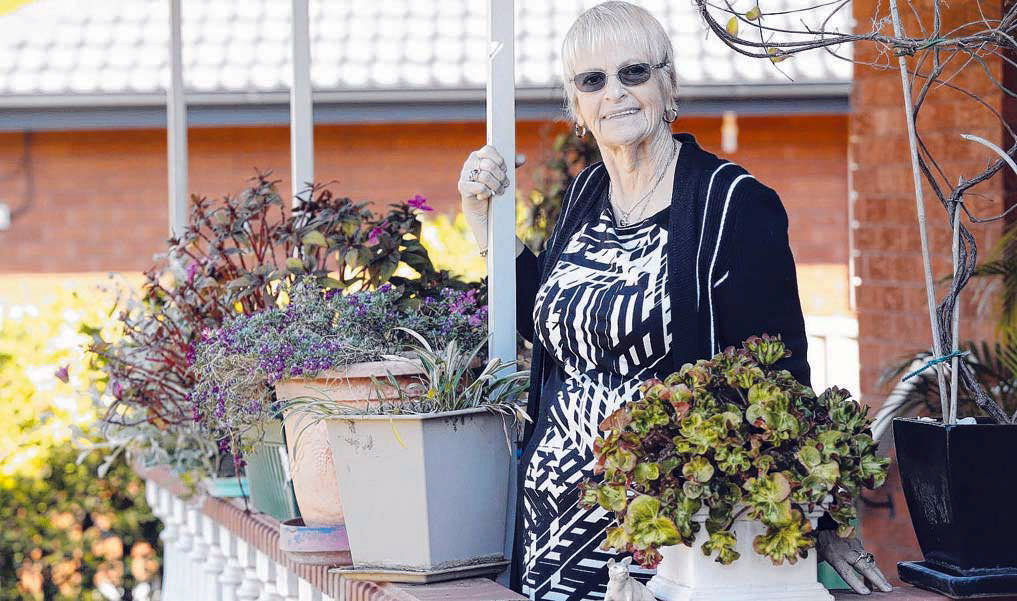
(961, 487)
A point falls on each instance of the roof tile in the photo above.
(117, 46)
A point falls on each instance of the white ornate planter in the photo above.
(423, 493)
(685, 574)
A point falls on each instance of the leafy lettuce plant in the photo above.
(727, 437)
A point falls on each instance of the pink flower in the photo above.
(192, 270)
(419, 202)
(373, 237)
(63, 374)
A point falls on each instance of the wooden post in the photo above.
(930, 287)
(501, 266)
(301, 105)
(176, 128)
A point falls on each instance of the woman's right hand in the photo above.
(482, 177)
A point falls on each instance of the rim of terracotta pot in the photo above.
(410, 416)
(408, 366)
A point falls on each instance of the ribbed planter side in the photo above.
(686, 574)
(311, 462)
(436, 483)
(267, 475)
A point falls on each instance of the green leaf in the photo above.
(646, 527)
(616, 539)
(732, 26)
(621, 460)
(776, 55)
(645, 473)
(314, 238)
(722, 543)
(698, 469)
(294, 264)
(810, 457)
(787, 542)
(612, 497)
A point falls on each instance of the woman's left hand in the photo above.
(854, 564)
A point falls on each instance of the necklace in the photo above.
(626, 215)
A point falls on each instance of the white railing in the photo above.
(833, 352)
(204, 560)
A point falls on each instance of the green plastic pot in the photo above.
(268, 474)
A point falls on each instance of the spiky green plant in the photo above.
(451, 379)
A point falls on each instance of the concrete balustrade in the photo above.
(215, 550)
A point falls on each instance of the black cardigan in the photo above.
(740, 248)
(732, 274)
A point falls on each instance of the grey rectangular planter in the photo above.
(422, 493)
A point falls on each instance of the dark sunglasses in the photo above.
(630, 75)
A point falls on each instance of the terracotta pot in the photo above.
(311, 466)
(321, 546)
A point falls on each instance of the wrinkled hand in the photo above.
(854, 564)
(483, 175)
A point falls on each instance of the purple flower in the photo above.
(117, 389)
(63, 374)
(192, 270)
(419, 202)
(386, 287)
(372, 238)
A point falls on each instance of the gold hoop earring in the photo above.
(672, 119)
(580, 131)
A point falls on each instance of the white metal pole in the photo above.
(501, 269)
(176, 128)
(301, 106)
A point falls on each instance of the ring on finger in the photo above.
(474, 174)
(864, 557)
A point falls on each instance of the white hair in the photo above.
(620, 23)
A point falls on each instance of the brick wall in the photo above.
(891, 302)
(98, 198)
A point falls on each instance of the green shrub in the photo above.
(64, 528)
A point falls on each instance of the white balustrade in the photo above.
(250, 585)
(203, 560)
(185, 539)
(267, 573)
(169, 536)
(216, 562)
(286, 583)
(306, 592)
(198, 555)
(233, 573)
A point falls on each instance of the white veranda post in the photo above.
(176, 127)
(501, 133)
(301, 106)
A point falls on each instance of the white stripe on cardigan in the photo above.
(702, 228)
(713, 262)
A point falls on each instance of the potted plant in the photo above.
(428, 469)
(720, 472)
(321, 343)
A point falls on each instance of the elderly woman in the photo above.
(663, 254)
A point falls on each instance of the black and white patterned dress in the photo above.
(604, 314)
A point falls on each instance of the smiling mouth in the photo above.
(624, 113)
